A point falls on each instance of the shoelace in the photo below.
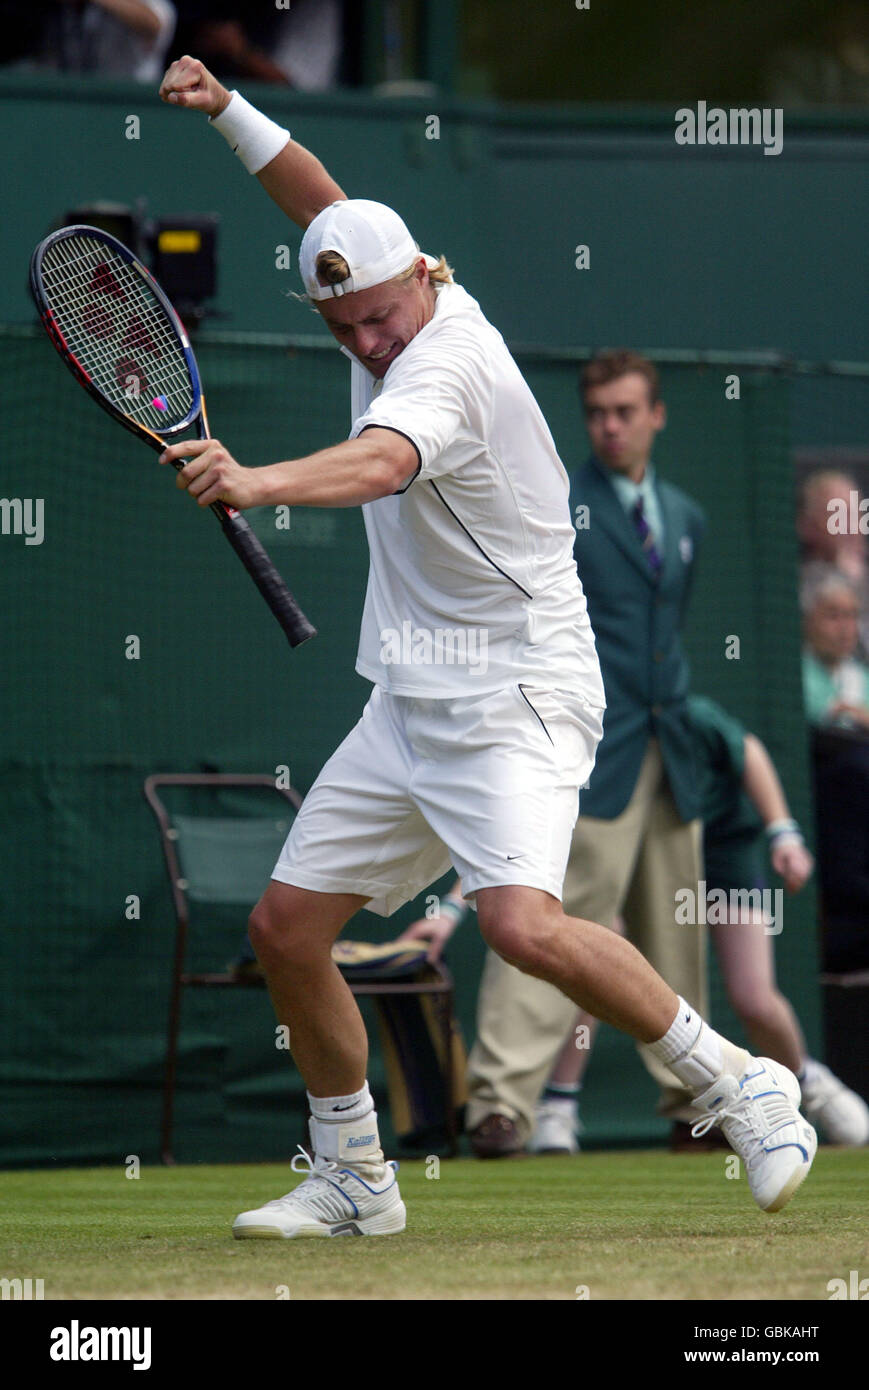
(312, 1165)
(317, 1191)
(773, 1107)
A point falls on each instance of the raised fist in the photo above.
(189, 83)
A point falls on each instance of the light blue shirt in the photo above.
(628, 493)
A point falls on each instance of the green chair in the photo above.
(218, 857)
(213, 859)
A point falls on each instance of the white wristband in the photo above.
(450, 908)
(786, 826)
(254, 137)
(785, 838)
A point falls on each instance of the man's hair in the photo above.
(332, 269)
(815, 484)
(819, 583)
(605, 367)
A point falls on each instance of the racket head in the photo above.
(118, 333)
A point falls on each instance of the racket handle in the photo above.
(264, 575)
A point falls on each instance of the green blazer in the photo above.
(637, 620)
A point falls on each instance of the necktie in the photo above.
(644, 531)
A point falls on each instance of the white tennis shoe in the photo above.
(331, 1201)
(828, 1102)
(759, 1113)
(556, 1128)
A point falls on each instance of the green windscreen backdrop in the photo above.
(133, 643)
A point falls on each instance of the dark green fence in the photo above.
(215, 687)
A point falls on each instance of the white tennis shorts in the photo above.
(488, 783)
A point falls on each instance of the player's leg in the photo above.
(600, 972)
(557, 1124)
(752, 1098)
(521, 1021)
(358, 839)
(292, 931)
(503, 784)
(349, 1188)
(745, 953)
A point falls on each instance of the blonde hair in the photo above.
(332, 269)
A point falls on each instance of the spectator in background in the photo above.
(835, 684)
(115, 38)
(301, 46)
(829, 539)
(832, 71)
(836, 689)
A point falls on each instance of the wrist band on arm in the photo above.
(254, 137)
(449, 908)
(779, 831)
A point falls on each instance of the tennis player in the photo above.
(487, 704)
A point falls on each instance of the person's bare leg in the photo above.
(745, 953)
(610, 979)
(292, 931)
(571, 1064)
(601, 972)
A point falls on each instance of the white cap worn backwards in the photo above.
(372, 238)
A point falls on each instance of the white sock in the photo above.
(695, 1053)
(342, 1108)
(344, 1128)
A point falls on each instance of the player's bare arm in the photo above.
(375, 465)
(295, 179)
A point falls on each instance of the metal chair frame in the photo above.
(440, 988)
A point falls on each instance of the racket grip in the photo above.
(264, 575)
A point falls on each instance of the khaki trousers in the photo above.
(631, 866)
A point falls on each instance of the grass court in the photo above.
(627, 1225)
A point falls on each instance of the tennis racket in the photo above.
(122, 340)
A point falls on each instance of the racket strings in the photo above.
(119, 332)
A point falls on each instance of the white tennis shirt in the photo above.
(472, 582)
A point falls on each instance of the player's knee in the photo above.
(262, 933)
(523, 942)
(277, 939)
